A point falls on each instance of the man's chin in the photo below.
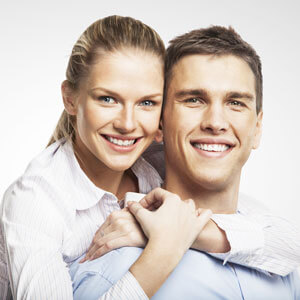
(212, 183)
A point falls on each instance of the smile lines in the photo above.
(211, 147)
(120, 142)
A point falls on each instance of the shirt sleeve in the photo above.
(33, 233)
(107, 277)
(261, 241)
(126, 288)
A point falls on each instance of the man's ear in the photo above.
(68, 98)
(258, 130)
(159, 134)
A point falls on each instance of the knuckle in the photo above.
(127, 228)
(98, 243)
(131, 236)
(157, 189)
(108, 246)
(114, 215)
(119, 222)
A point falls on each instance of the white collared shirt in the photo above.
(50, 214)
(49, 217)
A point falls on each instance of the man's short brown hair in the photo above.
(218, 41)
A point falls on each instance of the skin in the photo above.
(211, 100)
(120, 98)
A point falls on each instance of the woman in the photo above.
(112, 98)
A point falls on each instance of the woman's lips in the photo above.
(121, 143)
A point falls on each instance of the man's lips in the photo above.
(212, 145)
(122, 141)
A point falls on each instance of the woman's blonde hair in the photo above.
(105, 35)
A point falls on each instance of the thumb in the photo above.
(203, 216)
(138, 210)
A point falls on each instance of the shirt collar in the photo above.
(88, 194)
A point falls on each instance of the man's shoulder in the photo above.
(249, 205)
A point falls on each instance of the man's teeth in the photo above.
(212, 147)
(120, 142)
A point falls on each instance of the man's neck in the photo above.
(218, 198)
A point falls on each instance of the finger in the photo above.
(155, 195)
(191, 203)
(203, 218)
(137, 210)
(96, 245)
(109, 246)
(100, 233)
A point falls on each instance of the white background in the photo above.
(36, 38)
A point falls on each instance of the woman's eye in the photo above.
(106, 99)
(147, 103)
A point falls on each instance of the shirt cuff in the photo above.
(246, 238)
(126, 288)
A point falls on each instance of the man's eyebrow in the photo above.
(191, 92)
(240, 95)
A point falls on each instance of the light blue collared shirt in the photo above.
(197, 276)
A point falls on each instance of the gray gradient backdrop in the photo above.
(36, 38)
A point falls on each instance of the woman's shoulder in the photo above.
(41, 184)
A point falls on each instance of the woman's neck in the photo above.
(115, 182)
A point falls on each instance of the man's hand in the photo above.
(120, 229)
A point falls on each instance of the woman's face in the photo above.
(118, 108)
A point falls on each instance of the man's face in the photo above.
(210, 122)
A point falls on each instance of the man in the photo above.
(212, 120)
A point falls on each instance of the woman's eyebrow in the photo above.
(115, 94)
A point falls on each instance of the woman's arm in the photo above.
(256, 238)
(33, 232)
(171, 229)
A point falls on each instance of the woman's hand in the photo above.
(175, 222)
(171, 229)
(120, 229)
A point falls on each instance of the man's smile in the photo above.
(212, 147)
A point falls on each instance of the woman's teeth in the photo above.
(120, 142)
(212, 147)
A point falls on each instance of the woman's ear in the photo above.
(68, 98)
(159, 134)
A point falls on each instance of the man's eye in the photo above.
(236, 103)
(193, 100)
(147, 103)
(107, 99)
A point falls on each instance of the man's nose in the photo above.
(214, 119)
(126, 120)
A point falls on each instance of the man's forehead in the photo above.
(209, 72)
